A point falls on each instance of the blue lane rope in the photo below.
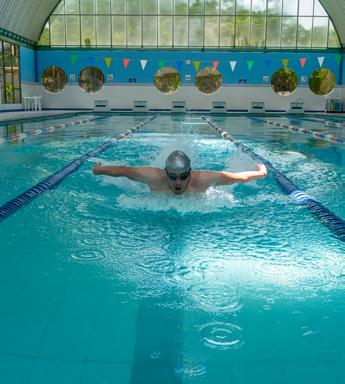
(325, 216)
(52, 181)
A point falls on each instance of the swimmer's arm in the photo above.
(223, 178)
(141, 174)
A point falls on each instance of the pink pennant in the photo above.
(125, 63)
(302, 61)
(215, 64)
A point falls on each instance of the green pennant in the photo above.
(74, 59)
(285, 62)
(250, 64)
(338, 58)
(196, 65)
(161, 64)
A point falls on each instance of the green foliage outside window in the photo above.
(167, 80)
(284, 81)
(54, 79)
(207, 23)
(91, 79)
(322, 81)
(208, 80)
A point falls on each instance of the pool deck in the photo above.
(22, 115)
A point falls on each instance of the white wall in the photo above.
(122, 97)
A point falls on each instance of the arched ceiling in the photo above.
(27, 17)
(336, 11)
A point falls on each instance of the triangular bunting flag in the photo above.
(125, 63)
(74, 59)
(338, 58)
(91, 61)
(232, 65)
(320, 60)
(179, 65)
(302, 61)
(215, 64)
(196, 65)
(285, 62)
(250, 64)
(143, 64)
(161, 64)
(268, 63)
(108, 61)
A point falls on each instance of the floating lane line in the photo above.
(53, 180)
(36, 132)
(325, 216)
(304, 131)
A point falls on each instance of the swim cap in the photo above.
(177, 161)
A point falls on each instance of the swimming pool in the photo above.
(105, 282)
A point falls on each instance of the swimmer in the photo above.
(178, 176)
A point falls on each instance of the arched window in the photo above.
(258, 24)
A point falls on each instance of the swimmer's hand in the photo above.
(262, 169)
(96, 168)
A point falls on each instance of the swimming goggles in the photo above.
(173, 176)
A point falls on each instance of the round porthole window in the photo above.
(167, 80)
(53, 79)
(284, 81)
(91, 79)
(322, 81)
(208, 80)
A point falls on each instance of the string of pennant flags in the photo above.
(178, 64)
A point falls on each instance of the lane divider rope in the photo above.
(326, 122)
(36, 132)
(53, 180)
(325, 216)
(303, 131)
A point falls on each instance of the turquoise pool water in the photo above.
(104, 282)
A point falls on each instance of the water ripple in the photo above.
(324, 340)
(87, 255)
(222, 336)
(217, 297)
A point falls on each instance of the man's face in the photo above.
(178, 181)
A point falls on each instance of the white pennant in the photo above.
(233, 65)
(320, 59)
(143, 63)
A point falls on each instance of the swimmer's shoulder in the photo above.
(151, 174)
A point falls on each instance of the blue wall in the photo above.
(28, 65)
(264, 64)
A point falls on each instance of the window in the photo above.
(91, 79)
(53, 79)
(284, 81)
(208, 80)
(10, 84)
(167, 80)
(276, 24)
(322, 82)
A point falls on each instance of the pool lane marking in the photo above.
(53, 180)
(325, 216)
(36, 132)
(328, 123)
(303, 131)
